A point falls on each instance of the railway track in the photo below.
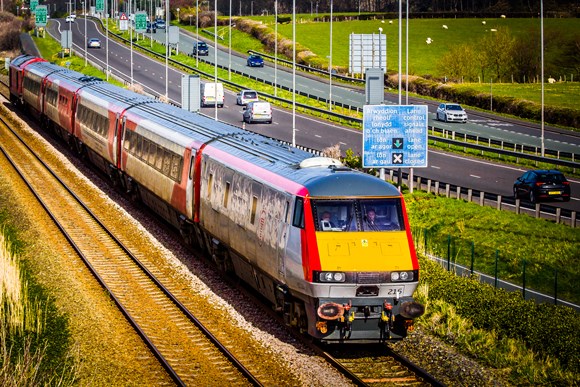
(185, 348)
(377, 365)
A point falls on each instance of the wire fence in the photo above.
(536, 279)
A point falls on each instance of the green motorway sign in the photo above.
(140, 22)
(33, 5)
(40, 16)
(100, 6)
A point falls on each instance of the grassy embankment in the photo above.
(34, 343)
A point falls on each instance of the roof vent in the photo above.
(314, 162)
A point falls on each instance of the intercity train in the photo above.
(293, 225)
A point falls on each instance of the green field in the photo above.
(423, 57)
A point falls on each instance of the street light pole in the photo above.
(167, 50)
(85, 11)
(196, 31)
(542, 60)
(293, 72)
(230, 46)
(276, 49)
(131, 35)
(330, 64)
(215, 63)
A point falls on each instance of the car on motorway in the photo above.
(451, 112)
(257, 111)
(151, 27)
(94, 43)
(160, 23)
(542, 184)
(246, 96)
(255, 61)
(70, 19)
(200, 49)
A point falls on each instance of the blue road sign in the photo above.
(395, 136)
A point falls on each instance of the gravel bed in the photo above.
(274, 341)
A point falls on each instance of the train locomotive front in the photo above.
(360, 275)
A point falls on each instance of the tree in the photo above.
(496, 49)
(461, 62)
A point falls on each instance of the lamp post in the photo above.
(276, 49)
(131, 35)
(215, 64)
(230, 46)
(196, 31)
(167, 50)
(330, 64)
(178, 20)
(85, 12)
(542, 65)
(293, 72)
(380, 50)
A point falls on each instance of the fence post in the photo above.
(555, 287)
(472, 256)
(448, 252)
(495, 274)
(524, 281)
(499, 202)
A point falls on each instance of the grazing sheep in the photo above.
(444, 26)
(551, 80)
(429, 41)
(493, 30)
(483, 22)
(503, 16)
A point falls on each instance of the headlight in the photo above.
(398, 276)
(331, 276)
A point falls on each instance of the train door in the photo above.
(257, 222)
(283, 230)
(118, 133)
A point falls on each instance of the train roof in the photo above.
(321, 176)
(22, 60)
(114, 95)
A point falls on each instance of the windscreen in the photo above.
(358, 215)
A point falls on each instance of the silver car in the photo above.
(245, 96)
(451, 112)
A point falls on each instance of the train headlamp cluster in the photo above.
(401, 276)
(331, 276)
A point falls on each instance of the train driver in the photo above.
(325, 222)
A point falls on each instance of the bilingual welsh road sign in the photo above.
(395, 136)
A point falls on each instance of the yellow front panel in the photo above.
(364, 251)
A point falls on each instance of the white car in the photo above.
(70, 19)
(245, 96)
(451, 112)
(94, 43)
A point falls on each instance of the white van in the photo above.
(212, 93)
(257, 111)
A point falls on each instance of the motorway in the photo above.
(318, 134)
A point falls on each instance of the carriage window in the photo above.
(227, 194)
(298, 220)
(254, 209)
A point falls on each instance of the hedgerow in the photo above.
(551, 330)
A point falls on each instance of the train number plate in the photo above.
(393, 291)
